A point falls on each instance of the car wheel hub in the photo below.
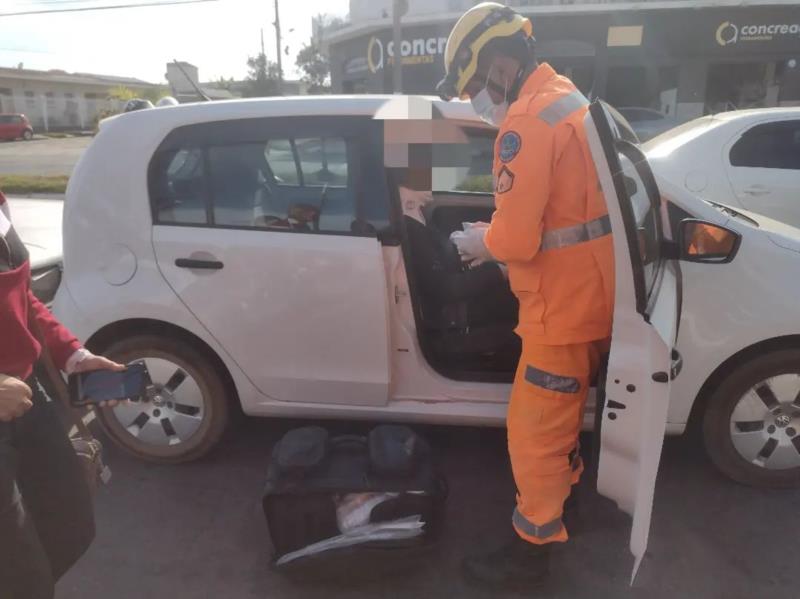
(765, 421)
(172, 410)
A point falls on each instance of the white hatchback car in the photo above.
(254, 252)
(748, 159)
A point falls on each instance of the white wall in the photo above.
(59, 111)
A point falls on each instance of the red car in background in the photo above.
(15, 126)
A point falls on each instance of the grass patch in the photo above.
(23, 184)
(479, 183)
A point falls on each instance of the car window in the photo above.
(323, 161)
(638, 191)
(771, 145)
(644, 211)
(280, 156)
(4, 119)
(275, 174)
(178, 187)
(469, 164)
(262, 185)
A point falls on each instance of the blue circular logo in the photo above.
(510, 145)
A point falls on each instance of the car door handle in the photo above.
(757, 190)
(201, 264)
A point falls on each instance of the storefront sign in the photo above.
(729, 33)
(414, 51)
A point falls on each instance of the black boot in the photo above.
(516, 565)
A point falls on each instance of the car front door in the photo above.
(267, 231)
(763, 167)
(642, 360)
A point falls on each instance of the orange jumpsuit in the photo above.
(551, 229)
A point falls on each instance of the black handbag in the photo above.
(328, 491)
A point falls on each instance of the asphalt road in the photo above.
(196, 531)
(41, 156)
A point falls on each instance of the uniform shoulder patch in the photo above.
(510, 144)
(504, 181)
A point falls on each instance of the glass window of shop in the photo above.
(740, 85)
(654, 88)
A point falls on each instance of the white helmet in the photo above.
(167, 101)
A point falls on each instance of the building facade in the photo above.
(57, 100)
(682, 58)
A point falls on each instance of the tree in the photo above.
(316, 68)
(263, 77)
(121, 93)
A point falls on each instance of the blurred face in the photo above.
(496, 74)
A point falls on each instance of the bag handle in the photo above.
(54, 377)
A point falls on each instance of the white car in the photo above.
(747, 159)
(253, 252)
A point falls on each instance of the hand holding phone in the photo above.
(97, 386)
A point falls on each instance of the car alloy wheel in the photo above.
(765, 424)
(27, 135)
(751, 423)
(185, 410)
(172, 410)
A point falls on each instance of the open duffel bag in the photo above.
(335, 497)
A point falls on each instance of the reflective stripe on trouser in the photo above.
(544, 418)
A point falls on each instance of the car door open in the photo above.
(642, 360)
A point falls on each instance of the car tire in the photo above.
(198, 413)
(27, 135)
(743, 434)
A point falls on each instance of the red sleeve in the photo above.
(60, 341)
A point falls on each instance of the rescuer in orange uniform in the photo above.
(551, 229)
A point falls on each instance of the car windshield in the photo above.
(669, 140)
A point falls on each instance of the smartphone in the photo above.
(88, 388)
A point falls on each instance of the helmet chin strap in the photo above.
(523, 73)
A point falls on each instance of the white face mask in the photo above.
(484, 106)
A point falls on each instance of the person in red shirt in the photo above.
(46, 520)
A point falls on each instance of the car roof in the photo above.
(734, 115)
(287, 106)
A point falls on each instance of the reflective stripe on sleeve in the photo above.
(563, 107)
(540, 532)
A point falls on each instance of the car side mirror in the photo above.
(701, 241)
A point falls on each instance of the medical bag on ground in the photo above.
(330, 498)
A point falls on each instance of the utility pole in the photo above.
(399, 8)
(263, 52)
(278, 41)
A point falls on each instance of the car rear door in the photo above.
(763, 166)
(642, 360)
(299, 301)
